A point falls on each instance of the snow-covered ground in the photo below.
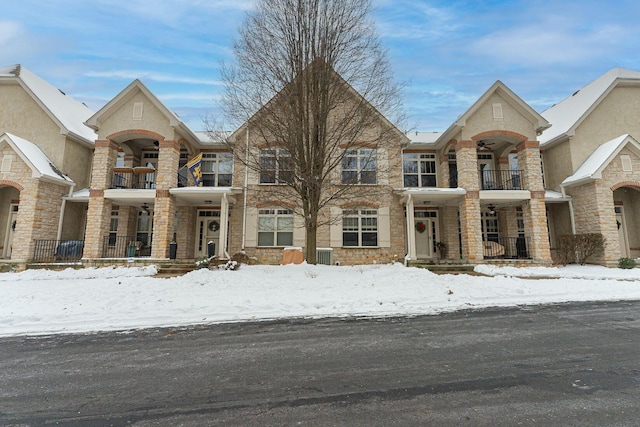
(37, 302)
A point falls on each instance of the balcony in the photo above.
(491, 179)
(134, 178)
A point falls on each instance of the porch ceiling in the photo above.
(435, 195)
(125, 197)
(201, 196)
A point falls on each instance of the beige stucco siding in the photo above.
(617, 114)
(122, 119)
(512, 120)
(557, 165)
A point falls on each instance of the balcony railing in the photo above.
(134, 178)
(57, 250)
(491, 179)
(124, 247)
(507, 248)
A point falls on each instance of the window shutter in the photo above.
(251, 235)
(384, 228)
(335, 232)
(299, 232)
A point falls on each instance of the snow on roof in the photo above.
(69, 112)
(423, 137)
(39, 163)
(555, 196)
(79, 196)
(567, 113)
(207, 138)
(593, 166)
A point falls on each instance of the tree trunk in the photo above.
(311, 228)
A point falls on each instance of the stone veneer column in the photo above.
(99, 212)
(470, 220)
(534, 211)
(165, 206)
(450, 232)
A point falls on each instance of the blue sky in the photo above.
(447, 52)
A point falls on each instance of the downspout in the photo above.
(571, 214)
(62, 209)
(246, 184)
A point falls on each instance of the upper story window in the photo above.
(217, 169)
(275, 227)
(359, 166)
(360, 227)
(276, 166)
(419, 170)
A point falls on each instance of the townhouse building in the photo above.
(113, 185)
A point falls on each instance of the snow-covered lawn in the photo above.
(39, 302)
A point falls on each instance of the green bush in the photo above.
(626, 263)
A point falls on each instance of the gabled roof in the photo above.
(41, 166)
(567, 115)
(514, 100)
(125, 95)
(592, 168)
(68, 113)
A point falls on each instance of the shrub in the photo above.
(579, 247)
(626, 263)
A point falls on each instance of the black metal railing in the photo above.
(491, 179)
(507, 248)
(57, 250)
(130, 180)
(124, 247)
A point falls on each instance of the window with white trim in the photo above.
(276, 166)
(359, 166)
(113, 228)
(275, 227)
(490, 229)
(360, 227)
(419, 170)
(217, 169)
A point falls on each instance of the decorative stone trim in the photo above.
(526, 145)
(136, 132)
(275, 203)
(356, 205)
(501, 133)
(466, 144)
(106, 143)
(96, 193)
(175, 145)
(537, 194)
(472, 195)
(12, 184)
(633, 184)
(162, 193)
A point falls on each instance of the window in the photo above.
(113, 228)
(360, 227)
(275, 227)
(275, 166)
(359, 166)
(144, 228)
(419, 170)
(217, 169)
(490, 226)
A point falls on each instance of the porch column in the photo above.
(224, 227)
(470, 220)
(186, 231)
(450, 230)
(165, 206)
(163, 221)
(411, 230)
(534, 211)
(99, 210)
(471, 227)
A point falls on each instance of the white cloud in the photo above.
(151, 76)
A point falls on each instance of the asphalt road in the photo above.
(576, 364)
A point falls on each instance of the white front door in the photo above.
(622, 232)
(426, 231)
(11, 227)
(208, 229)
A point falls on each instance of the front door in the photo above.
(622, 232)
(426, 226)
(11, 228)
(208, 229)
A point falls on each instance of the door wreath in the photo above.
(214, 226)
(420, 227)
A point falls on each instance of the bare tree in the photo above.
(312, 82)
